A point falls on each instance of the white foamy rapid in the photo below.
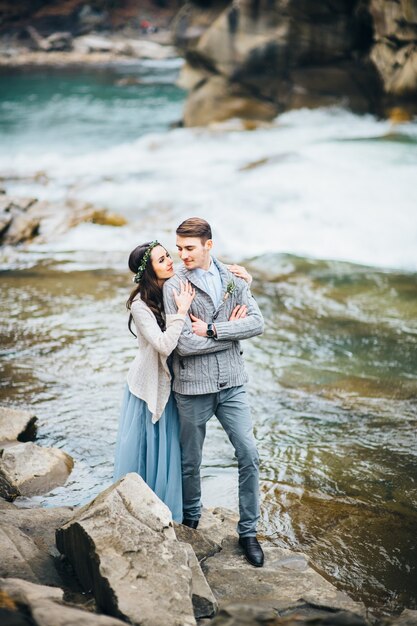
(329, 184)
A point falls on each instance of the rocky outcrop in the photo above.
(16, 424)
(27, 219)
(395, 50)
(123, 547)
(23, 603)
(27, 469)
(257, 58)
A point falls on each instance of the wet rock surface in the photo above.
(297, 614)
(285, 579)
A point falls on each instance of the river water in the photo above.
(321, 207)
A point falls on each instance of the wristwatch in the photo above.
(210, 332)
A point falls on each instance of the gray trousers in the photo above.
(232, 410)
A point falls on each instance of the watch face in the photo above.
(210, 333)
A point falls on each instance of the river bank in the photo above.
(86, 50)
(121, 555)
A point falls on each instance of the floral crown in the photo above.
(144, 261)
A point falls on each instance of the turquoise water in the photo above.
(321, 207)
(73, 112)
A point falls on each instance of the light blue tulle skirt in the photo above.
(151, 450)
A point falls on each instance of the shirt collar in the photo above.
(211, 270)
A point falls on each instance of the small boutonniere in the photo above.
(229, 289)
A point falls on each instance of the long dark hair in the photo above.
(148, 287)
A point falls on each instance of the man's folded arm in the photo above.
(246, 327)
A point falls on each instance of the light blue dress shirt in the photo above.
(212, 282)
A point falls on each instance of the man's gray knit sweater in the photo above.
(201, 364)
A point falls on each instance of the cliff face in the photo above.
(256, 58)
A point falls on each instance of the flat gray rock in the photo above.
(122, 546)
(38, 524)
(28, 469)
(45, 605)
(21, 558)
(285, 579)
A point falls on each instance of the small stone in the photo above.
(29, 469)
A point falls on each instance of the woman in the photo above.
(148, 437)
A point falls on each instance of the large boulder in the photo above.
(26, 604)
(256, 58)
(395, 51)
(123, 547)
(27, 469)
(16, 424)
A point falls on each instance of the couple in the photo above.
(188, 328)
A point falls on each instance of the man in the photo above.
(209, 374)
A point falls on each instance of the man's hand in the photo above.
(199, 327)
(239, 312)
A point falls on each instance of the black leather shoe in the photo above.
(191, 523)
(253, 551)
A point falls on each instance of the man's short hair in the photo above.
(195, 227)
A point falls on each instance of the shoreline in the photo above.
(93, 49)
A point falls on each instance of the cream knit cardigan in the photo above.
(149, 378)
